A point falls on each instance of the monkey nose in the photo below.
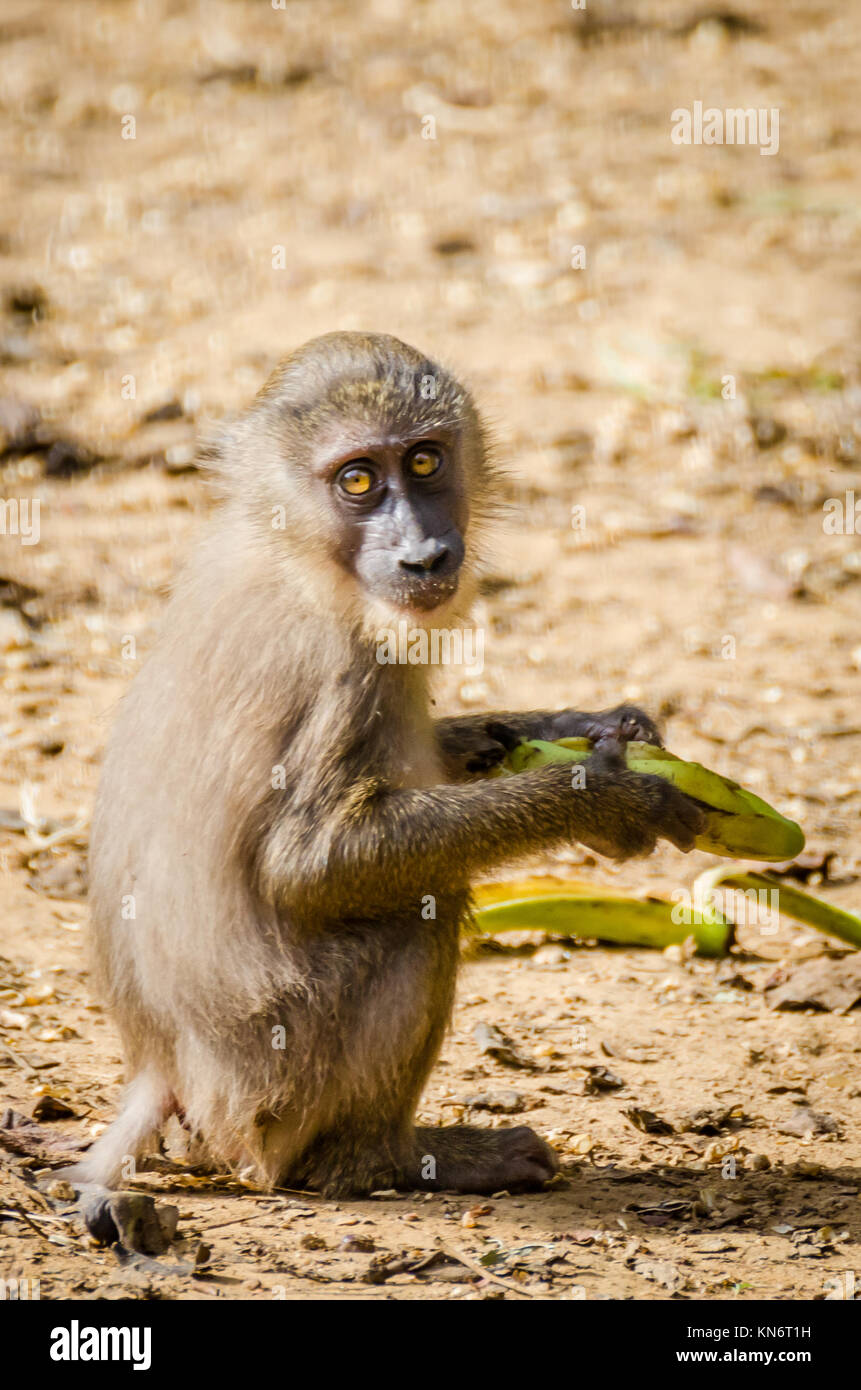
(426, 558)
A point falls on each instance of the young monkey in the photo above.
(277, 807)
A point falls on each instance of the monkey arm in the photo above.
(474, 743)
(387, 848)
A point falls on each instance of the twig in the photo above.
(252, 1216)
(16, 1210)
(19, 1061)
(476, 1268)
(8, 1166)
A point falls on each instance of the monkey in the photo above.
(277, 808)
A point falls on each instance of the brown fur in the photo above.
(299, 908)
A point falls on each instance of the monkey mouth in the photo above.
(427, 594)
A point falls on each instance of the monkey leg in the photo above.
(147, 1104)
(464, 1159)
(351, 1160)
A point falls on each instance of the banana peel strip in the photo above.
(791, 901)
(741, 824)
(581, 911)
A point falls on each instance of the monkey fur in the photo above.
(276, 805)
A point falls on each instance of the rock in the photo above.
(130, 1218)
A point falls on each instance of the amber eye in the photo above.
(425, 461)
(355, 479)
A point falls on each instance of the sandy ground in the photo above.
(694, 387)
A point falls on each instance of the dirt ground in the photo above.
(695, 387)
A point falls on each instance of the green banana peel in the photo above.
(598, 916)
(791, 901)
(575, 908)
(739, 824)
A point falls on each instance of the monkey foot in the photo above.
(483, 1160)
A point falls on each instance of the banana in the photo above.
(597, 915)
(739, 825)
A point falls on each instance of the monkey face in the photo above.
(400, 512)
(365, 464)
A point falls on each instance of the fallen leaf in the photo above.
(806, 1122)
(50, 1107)
(713, 1245)
(493, 1043)
(711, 1121)
(824, 983)
(647, 1121)
(505, 1102)
(660, 1272)
(661, 1213)
(601, 1079)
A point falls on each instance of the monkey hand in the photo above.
(471, 747)
(626, 723)
(637, 809)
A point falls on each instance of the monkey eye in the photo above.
(424, 461)
(356, 479)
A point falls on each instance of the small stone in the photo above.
(362, 1244)
(61, 1191)
(550, 955)
(805, 1168)
(757, 1163)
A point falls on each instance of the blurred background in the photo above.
(665, 338)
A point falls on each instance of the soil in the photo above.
(674, 415)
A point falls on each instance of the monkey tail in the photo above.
(148, 1102)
